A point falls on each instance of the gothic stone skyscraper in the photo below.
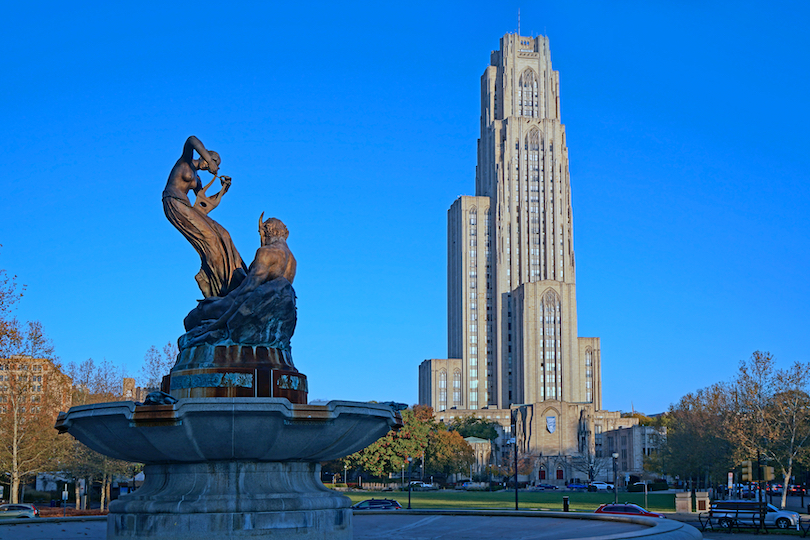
(511, 272)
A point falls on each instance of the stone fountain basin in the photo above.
(196, 430)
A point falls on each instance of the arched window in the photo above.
(457, 388)
(528, 100)
(588, 375)
(443, 390)
(532, 167)
(551, 354)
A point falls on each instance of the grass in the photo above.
(545, 500)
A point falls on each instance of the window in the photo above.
(457, 388)
(560, 474)
(528, 101)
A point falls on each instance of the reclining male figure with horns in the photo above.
(213, 316)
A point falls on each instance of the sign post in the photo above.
(64, 501)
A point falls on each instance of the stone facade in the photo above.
(132, 392)
(632, 444)
(32, 384)
(511, 275)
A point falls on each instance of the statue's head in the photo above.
(203, 165)
(272, 229)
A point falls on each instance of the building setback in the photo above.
(511, 273)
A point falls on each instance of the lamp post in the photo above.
(410, 460)
(514, 441)
(615, 477)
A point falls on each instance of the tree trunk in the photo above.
(14, 496)
(788, 474)
(103, 490)
(78, 495)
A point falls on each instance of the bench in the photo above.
(748, 515)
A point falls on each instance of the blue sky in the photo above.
(356, 124)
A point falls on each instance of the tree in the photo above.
(643, 419)
(156, 364)
(447, 452)
(696, 445)
(10, 294)
(472, 426)
(389, 454)
(768, 414)
(94, 383)
(592, 466)
(32, 392)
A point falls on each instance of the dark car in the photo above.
(627, 509)
(577, 485)
(547, 486)
(377, 504)
(13, 511)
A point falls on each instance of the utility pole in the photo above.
(514, 440)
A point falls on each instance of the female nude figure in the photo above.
(222, 268)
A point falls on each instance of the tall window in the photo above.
(588, 375)
(552, 344)
(457, 388)
(442, 390)
(532, 173)
(527, 94)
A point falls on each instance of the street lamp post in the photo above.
(514, 441)
(410, 484)
(615, 477)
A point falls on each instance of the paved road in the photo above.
(441, 527)
(379, 526)
(54, 530)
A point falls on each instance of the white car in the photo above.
(597, 486)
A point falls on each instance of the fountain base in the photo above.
(231, 499)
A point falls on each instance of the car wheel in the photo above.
(783, 523)
(724, 523)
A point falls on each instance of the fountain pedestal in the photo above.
(232, 499)
(230, 467)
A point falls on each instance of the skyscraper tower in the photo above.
(512, 312)
(513, 353)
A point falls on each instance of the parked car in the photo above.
(377, 504)
(627, 509)
(596, 486)
(577, 485)
(748, 509)
(422, 486)
(548, 486)
(13, 511)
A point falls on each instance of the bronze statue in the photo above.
(222, 268)
(248, 315)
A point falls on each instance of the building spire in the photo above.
(518, 22)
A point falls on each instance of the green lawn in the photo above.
(545, 500)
